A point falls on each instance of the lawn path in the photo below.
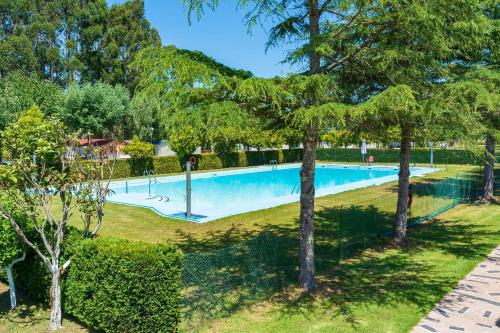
(474, 306)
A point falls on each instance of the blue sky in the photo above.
(220, 34)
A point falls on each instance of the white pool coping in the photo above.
(176, 208)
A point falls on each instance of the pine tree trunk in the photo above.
(404, 181)
(306, 269)
(55, 301)
(489, 167)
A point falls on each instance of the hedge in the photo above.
(115, 285)
(122, 286)
(125, 168)
(170, 164)
(441, 156)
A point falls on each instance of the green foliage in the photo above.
(95, 108)
(211, 63)
(121, 286)
(184, 132)
(419, 155)
(192, 93)
(128, 31)
(32, 276)
(145, 111)
(476, 92)
(139, 149)
(125, 168)
(113, 285)
(11, 246)
(33, 136)
(19, 92)
(68, 41)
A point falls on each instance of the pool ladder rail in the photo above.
(150, 174)
(273, 164)
(296, 188)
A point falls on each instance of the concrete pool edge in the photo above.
(282, 200)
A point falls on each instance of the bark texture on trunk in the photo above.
(55, 302)
(489, 167)
(307, 271)
(306, 234)
(404, 181)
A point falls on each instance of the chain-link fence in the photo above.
(218, 283)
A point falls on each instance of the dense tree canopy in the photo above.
(69, 41)
(19, 92)
(95, 108)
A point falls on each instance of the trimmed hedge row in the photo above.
(121, 286)
(171, 164)
(441, 156)
(115, 285)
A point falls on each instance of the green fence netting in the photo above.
(219, 282)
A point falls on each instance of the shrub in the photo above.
(121, 286)
(441, 156)
(138, 149)
(113, 285)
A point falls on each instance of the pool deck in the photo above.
(474, 306)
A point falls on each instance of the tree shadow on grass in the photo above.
(386, 276)
(29, 314)
(232, 269)
(222, 280)
(25, 313)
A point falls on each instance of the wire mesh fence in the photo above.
(218, 283)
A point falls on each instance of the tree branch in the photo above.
(4, 213)
(358, 49)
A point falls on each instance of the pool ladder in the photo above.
(151, 180)
(273, 164)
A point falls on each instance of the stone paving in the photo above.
(474, 306)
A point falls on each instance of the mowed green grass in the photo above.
(384, 290)
(142, 224)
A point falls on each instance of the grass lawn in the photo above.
(143, 224)
(384, 289)
(29, 317)
(381, 291)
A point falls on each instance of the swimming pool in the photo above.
(225, 193)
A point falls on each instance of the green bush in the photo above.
(441, 156)
(125, 168)
(113, 285)
(122, 286)
(139, 149)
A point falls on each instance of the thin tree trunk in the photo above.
(12, 287)
(55, 301)
(489, 166)
(12, 284)
(307, 271)
(404, 181)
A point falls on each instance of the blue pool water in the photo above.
(225, 193)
